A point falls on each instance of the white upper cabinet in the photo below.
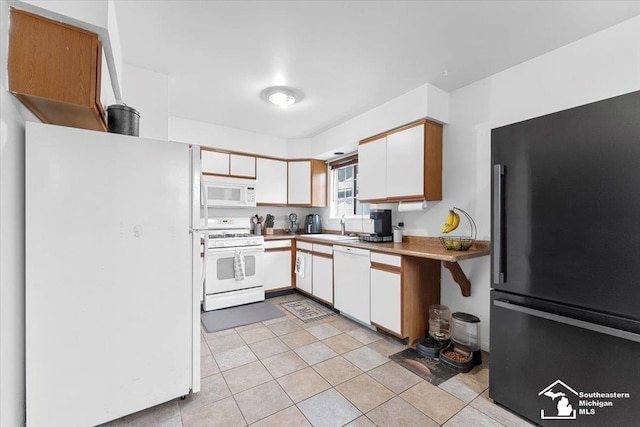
(242, 166)
(307, 183)
(271, 181)
(278, 182)
(300, 182)
(235, 165)
(402, 165)
(215, 162)
(372, 169)
(405, 163)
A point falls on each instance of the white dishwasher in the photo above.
(351, 282)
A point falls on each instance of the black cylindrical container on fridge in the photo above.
(123, 119)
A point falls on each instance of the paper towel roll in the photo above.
(412, 206)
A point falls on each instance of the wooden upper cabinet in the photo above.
(55, 71)
(307, 183)
(402, 165)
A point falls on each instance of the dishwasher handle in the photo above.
(352, 251)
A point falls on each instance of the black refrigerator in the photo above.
(565, 266)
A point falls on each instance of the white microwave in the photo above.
(219, 192)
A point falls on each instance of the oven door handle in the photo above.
(246, 250)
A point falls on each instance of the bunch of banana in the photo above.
(452, 222)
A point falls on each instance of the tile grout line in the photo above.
(304, 327)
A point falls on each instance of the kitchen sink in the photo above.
(333, 237)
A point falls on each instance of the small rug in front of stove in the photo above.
(232, 317)
(306, 310)
(426, 368)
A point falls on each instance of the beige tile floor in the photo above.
(333, 372)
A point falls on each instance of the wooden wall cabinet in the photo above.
(54, 69)
(402, 165)
(307, 183)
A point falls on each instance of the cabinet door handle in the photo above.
(497, 225)
(618, 333)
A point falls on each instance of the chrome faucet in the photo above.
(342, 226)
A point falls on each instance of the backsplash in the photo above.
(425, 223)
(280, 213)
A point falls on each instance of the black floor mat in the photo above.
(426, 368)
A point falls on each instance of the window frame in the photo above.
(335, 167)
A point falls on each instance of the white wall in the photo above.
(299, 148)
(597, 67)
(600, 66)
(12, 256)
(222, 137)
(424, 101)
(148, 92)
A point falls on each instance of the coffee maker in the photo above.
(312, 224)
(381, 226)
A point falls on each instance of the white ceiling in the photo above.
(346, 56)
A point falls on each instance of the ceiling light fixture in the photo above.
(282, 96)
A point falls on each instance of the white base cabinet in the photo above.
(277, 264)
(386, 292)
(304, 268)
(323, 272)
(386, 297)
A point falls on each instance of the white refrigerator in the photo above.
(112, 312)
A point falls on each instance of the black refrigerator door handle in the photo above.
(498, 219)
(568, 321)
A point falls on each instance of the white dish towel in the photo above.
(238, 265)
(300, 266)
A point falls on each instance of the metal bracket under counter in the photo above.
(459, 277)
